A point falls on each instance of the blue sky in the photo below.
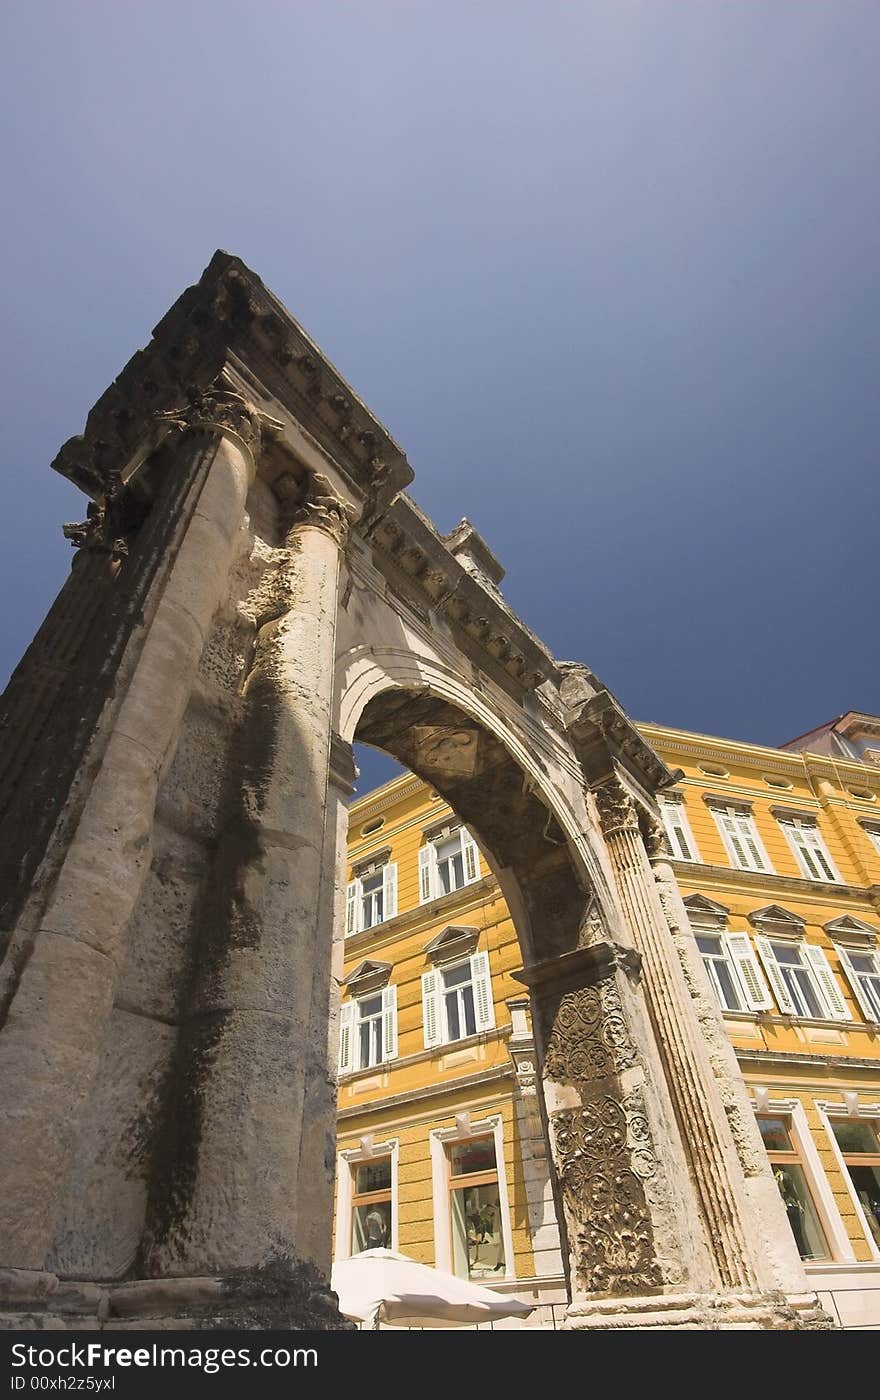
(608, 271)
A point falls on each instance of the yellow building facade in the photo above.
(440, 1144)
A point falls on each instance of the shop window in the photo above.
(371, 1205)
(475, 1209)
(791, 1178)
(859, 1147)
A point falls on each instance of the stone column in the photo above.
(704, 1133)
(777, 1260)
(52, 1037)
(233, 1198)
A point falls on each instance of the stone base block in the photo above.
(280, 1295)
(773, 1312)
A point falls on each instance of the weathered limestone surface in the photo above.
(255, 590)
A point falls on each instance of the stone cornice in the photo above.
(230, 316)
(430, 1091)
(387, 796)
(408, 546)
(784, 1058)
(604, 734)
(704, 746)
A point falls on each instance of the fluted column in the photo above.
(62, 988)
(776, 1257)
(698, 1108)
(234, 1190)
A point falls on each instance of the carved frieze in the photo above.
(102, 531)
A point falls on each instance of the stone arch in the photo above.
(166, 995)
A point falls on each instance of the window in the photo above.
(368, 1031)
(873, 835)
(371, 1205)
(366, 1198)
(475, 1209)
(733, 970)
(788, 1171)
(860, 1149)
(678, 832)
(802, 981)
(447, 862)
(862, 967)
(472, 1230)
(810, 851)
(740, 837)
(371, 898)
(457, 1001)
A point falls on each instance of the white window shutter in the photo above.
(389, 1023)
(431, 1010)
(427, 861)
(829, 990)
(471, 856)
(346, 1036)
(484, 1009)
(352, 907)
(751, 977)
(775, 977)
(389, 890)
(852, 977)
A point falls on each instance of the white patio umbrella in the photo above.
(380, 1285)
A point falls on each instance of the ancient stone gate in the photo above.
(252, 590)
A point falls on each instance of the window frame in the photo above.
(440, 1139)
(350, 1023)
(483, 997)
(829, 1111)
(845, 951)
(429, 880)
(354, 895)
(830, 1219)
(674, 802)
(872, 831)
(812, 960)
(347, 1161)
(790, 823)
(738, 810)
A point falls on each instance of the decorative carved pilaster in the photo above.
(654, 837)
(603, 1149)
(617, 810)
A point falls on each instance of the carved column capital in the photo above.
(617, 810)
(321, 508)
(222, 409)
(654, 837)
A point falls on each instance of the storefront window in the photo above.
(475, 1210)
(371, 1206)
(791, 1179)
(860, 1148)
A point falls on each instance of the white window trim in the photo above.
(742, 809)
(676, 800)
(429, 885)
(820, 1187)
(764, 939)
(480, 969)
(787, 825)
(829, 1110)
(345, 1190)
(388, 996)
(872, 831)
(354, 909)
(440, 1138)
